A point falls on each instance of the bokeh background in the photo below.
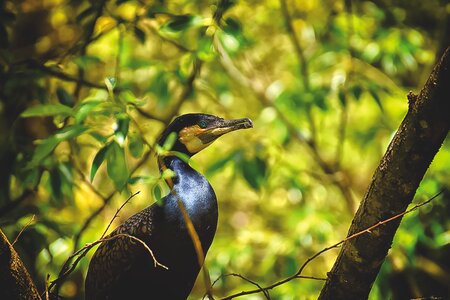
(89, 85)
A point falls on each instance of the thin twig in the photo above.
(266, 292)
(303, 266)
(84, 250)
(23, 229)
(117, 213)
(61, 75)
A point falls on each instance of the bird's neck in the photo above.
(175, 164)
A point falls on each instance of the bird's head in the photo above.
(195, 132)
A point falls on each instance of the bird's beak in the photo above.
(221, 127)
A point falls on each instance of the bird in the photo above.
(121, 267)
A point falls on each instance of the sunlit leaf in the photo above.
(170, 141)
(110, 83)
(44, 110)
(157, 194)
(205, 50)
(141, 179)
(70, 132)
(85, 108)
(168, 173)
(117, 166)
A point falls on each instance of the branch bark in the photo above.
(15, 280)
(393, 186)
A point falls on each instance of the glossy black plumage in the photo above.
(122, 268)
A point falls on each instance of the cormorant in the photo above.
(122, 268)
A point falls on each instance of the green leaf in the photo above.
(70, 132)
(141, 179)
(46, 146)
(254, 172)
(357, 91)
(205, 50)
(98, 137)
(170, 141)
(179, 23)
(45, 110)
(64, 97)
(43, 149)
(86, 61)
(110, 83)
(98, 160)
(156, 9)
(117, 165)
(232, 26)
(140, 34)
(55, 183)
(376, 96)
(160, 87)
(219, 164)
(123, 123)
(83, 110)
(168, 173)
(342, 96)
(128, 97)
(157, 194)
(135, 145)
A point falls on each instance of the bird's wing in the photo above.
(115, 256)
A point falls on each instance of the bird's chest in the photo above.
(196, 203)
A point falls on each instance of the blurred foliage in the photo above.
(87, 86)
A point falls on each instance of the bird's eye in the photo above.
(202, 124)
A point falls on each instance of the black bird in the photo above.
(122, 268)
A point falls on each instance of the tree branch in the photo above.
(15, 280)
(393, 186)
(298, 275)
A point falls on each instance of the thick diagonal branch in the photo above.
(393, 186)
